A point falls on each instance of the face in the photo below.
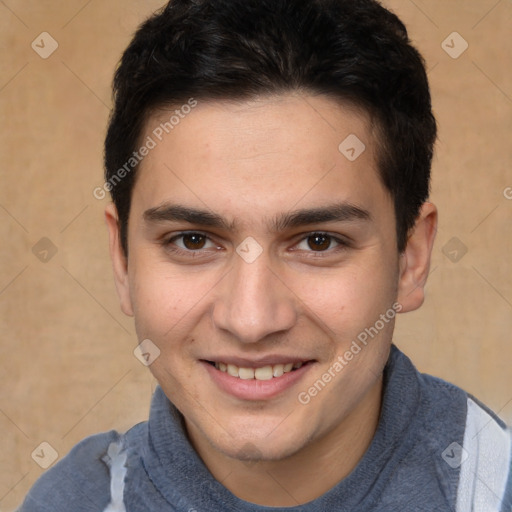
(259, 256)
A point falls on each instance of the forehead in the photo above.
(261, 156)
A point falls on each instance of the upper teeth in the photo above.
(263, 373)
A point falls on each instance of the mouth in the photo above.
(266, 372)
(257, 381)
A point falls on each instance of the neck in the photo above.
(306, 475)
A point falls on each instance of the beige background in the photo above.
(66, 361)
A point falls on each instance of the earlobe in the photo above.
(119, 260)
(415, 260)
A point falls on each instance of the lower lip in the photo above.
(253, 389)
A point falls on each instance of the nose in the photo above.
(253, 302)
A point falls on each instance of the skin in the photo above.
(252, 162)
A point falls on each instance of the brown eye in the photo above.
(319, 242)
(194, 241)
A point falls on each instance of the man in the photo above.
(269, 165)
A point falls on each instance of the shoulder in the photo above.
(449, 404)
(478, 448)
(78, 482)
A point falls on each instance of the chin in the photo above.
(259, 450)
(260, 442)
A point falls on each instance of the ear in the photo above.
(119, 260)
(415, 260)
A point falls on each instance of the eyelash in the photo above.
(169, 244)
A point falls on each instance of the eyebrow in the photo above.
(177, 213)
(340, 212)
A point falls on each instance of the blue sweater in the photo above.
(436, 448)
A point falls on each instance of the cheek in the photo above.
(349, 299)
(162, 299)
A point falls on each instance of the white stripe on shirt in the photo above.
(484, 473)
(116, 460)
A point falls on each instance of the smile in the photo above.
(261, 382)
(266, 372)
